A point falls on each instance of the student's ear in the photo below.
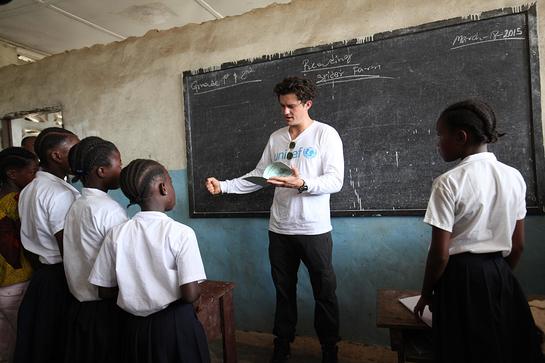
(462, 136)
(56, 156)
(308, 104)
(100, 172)
(163, 188)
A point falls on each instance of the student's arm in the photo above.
(59, 237)
(517, 245)
(190, 292)
(435, 266)
(107, 293)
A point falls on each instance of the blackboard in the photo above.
(383, 95)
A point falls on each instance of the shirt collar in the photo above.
(93, 192)
(45, 175)
(478, 157)
(150, 215)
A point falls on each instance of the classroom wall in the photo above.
(130, 92)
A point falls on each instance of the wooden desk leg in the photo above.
(228, 328)
(398, 344)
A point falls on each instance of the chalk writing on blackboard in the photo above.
(466, 40)
(227, 80)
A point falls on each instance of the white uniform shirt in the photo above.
(318, 154)
(43, 205)
(87, 222)
(149, 258)
(479, 201)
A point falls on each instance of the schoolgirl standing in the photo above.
(156, 263)
(43, 205)
(18, 167)
(92, 323)
(477, 210)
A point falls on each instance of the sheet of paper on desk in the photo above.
(410, 303)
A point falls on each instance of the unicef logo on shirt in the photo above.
(310, 152)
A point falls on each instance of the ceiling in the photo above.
(53, 26)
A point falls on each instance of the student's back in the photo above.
(487, 198)
(154, 256)
(156, 264)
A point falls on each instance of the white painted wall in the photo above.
(130, 92)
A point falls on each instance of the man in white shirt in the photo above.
(300, 223)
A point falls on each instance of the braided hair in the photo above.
(474, 116)
(303, 88)
(14, 158)
(48, 139)
(89, 153)
(136, 179)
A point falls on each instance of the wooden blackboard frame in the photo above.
(535, 108)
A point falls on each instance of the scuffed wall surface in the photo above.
(130, 91)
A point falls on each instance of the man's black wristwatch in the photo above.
(303, 188)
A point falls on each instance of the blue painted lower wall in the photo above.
(369, 253)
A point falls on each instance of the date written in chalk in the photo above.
(465, 40)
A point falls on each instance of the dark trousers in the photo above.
(286, 253)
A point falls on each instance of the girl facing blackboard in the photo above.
(477, 210)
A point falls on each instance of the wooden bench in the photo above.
(217, 314)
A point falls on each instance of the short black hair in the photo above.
(303, 88)
(137, 177)
(49, 138)
(89, 153)
(14, 158)
(475, 117)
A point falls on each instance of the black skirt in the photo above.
(41, 319)
(480, 313)
(172, 335)
(93, 332)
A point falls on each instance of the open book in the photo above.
(275, 169)
(410, 303)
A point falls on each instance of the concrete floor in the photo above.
(253, 347)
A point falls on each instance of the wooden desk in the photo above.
(217, 315)
(409, 337)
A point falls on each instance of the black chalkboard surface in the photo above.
(383, 96)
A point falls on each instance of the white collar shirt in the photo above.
(87, 222)
(148, 257)
(479, 201)
(43, 205)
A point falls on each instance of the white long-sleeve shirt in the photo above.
(318, 154)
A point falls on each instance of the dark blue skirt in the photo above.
(172, 335)
(42, 317)
(92, 332)
(480, 313)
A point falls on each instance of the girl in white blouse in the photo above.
(477, 210)
(43, 205)
(93, 323)
(156, 264)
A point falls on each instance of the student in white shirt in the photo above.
(300, 225)
(93, 323)
(477, 210)
(43, 205)
(156, 264)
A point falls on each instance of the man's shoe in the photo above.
(281, 353)
(329, 353)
